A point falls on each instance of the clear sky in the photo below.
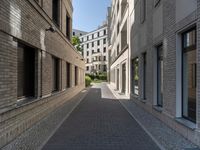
(89, 14)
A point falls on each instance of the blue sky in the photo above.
(89, 14)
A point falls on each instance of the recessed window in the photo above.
(76, 75)
(104, 32)
(189, 75)
(87, 45)
(104, 58)
(55, 74)
(68, 73)
(135, 83)
(87, 68)
(144, 55)
(98, 42)
(25, 71)
(98, 50)
(104, 41)
(160, 76)
(104, 49)
(68, 28)
(87, 53)
(104, 68)
(56, 11)
(92, 44)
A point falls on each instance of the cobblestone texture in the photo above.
(100, 123)
(33, 138)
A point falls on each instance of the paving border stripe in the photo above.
(151, 136)
(59, 125)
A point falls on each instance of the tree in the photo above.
(77, 43)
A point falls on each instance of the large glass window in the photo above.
(189, 75)
(68, 73)
(135, 64)
(160, 75)
(55, 74)
(56, 11)
(25, 71)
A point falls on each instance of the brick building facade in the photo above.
(39, 68)
(165, 62)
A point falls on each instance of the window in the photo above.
(104, 68)
(98, 50)
(118, 28)
(144, 75)
(104, 41)
(87, 53)
(92, 51)
(99, 67)
(104, 32)
(92, 36)
(104, 49)
(25, 71)
(92, 44)
(142, 10)
(98, 34)
(87, 45)
(76, 76)
(87, 60)
(117, 6)
(87, 68)
(80, 34)
(117, 49)
(56, 11)
(189, 75)
(99, 58)
(98, 42)
(68, 73)
(73, 33)
(87, 37)
(104, 58)
(160, 76)
(135, 65)
(68, 22)
(55, 74)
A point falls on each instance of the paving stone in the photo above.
(100, 122)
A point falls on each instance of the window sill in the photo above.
(26, 101)
(186, 123)
(158, 108)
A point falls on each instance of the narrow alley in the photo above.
(100, 123)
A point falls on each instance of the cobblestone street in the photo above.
(100, 122)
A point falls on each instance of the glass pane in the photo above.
(189, 85)
(189, 38)
(136, 76)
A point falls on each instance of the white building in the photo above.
(119, 29)
(78, 33)
(95, 50)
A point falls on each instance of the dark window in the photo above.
(55, 73)
(104, 68)
(142, 10)
(56, 11)
(87, 60)
(92, 51)
(117, 49)
(87, 53)
(118, 25)
(189, 75)
(98, 34)
(87, 37)
(98, 50)
(104, 32)
(80, 34)
(99, 58)
(104, 41)
(104, 58)
(98, 42)
(87, 45)
(73, 33)
(68, 73)
(76, 75)
(92, 36)
(144, 75)
(68, 20)
(117, 6)
(104, 50)
(160, 76)
(135, 80)
(25, 71)
(92, 44)
(87, 68)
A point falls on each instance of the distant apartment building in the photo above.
(39, 68)
(95, 50)
(119, 47)
(164, 66)
(78, 33)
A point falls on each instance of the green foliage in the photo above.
(88, 81)
(77, 43)
(100, 76)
